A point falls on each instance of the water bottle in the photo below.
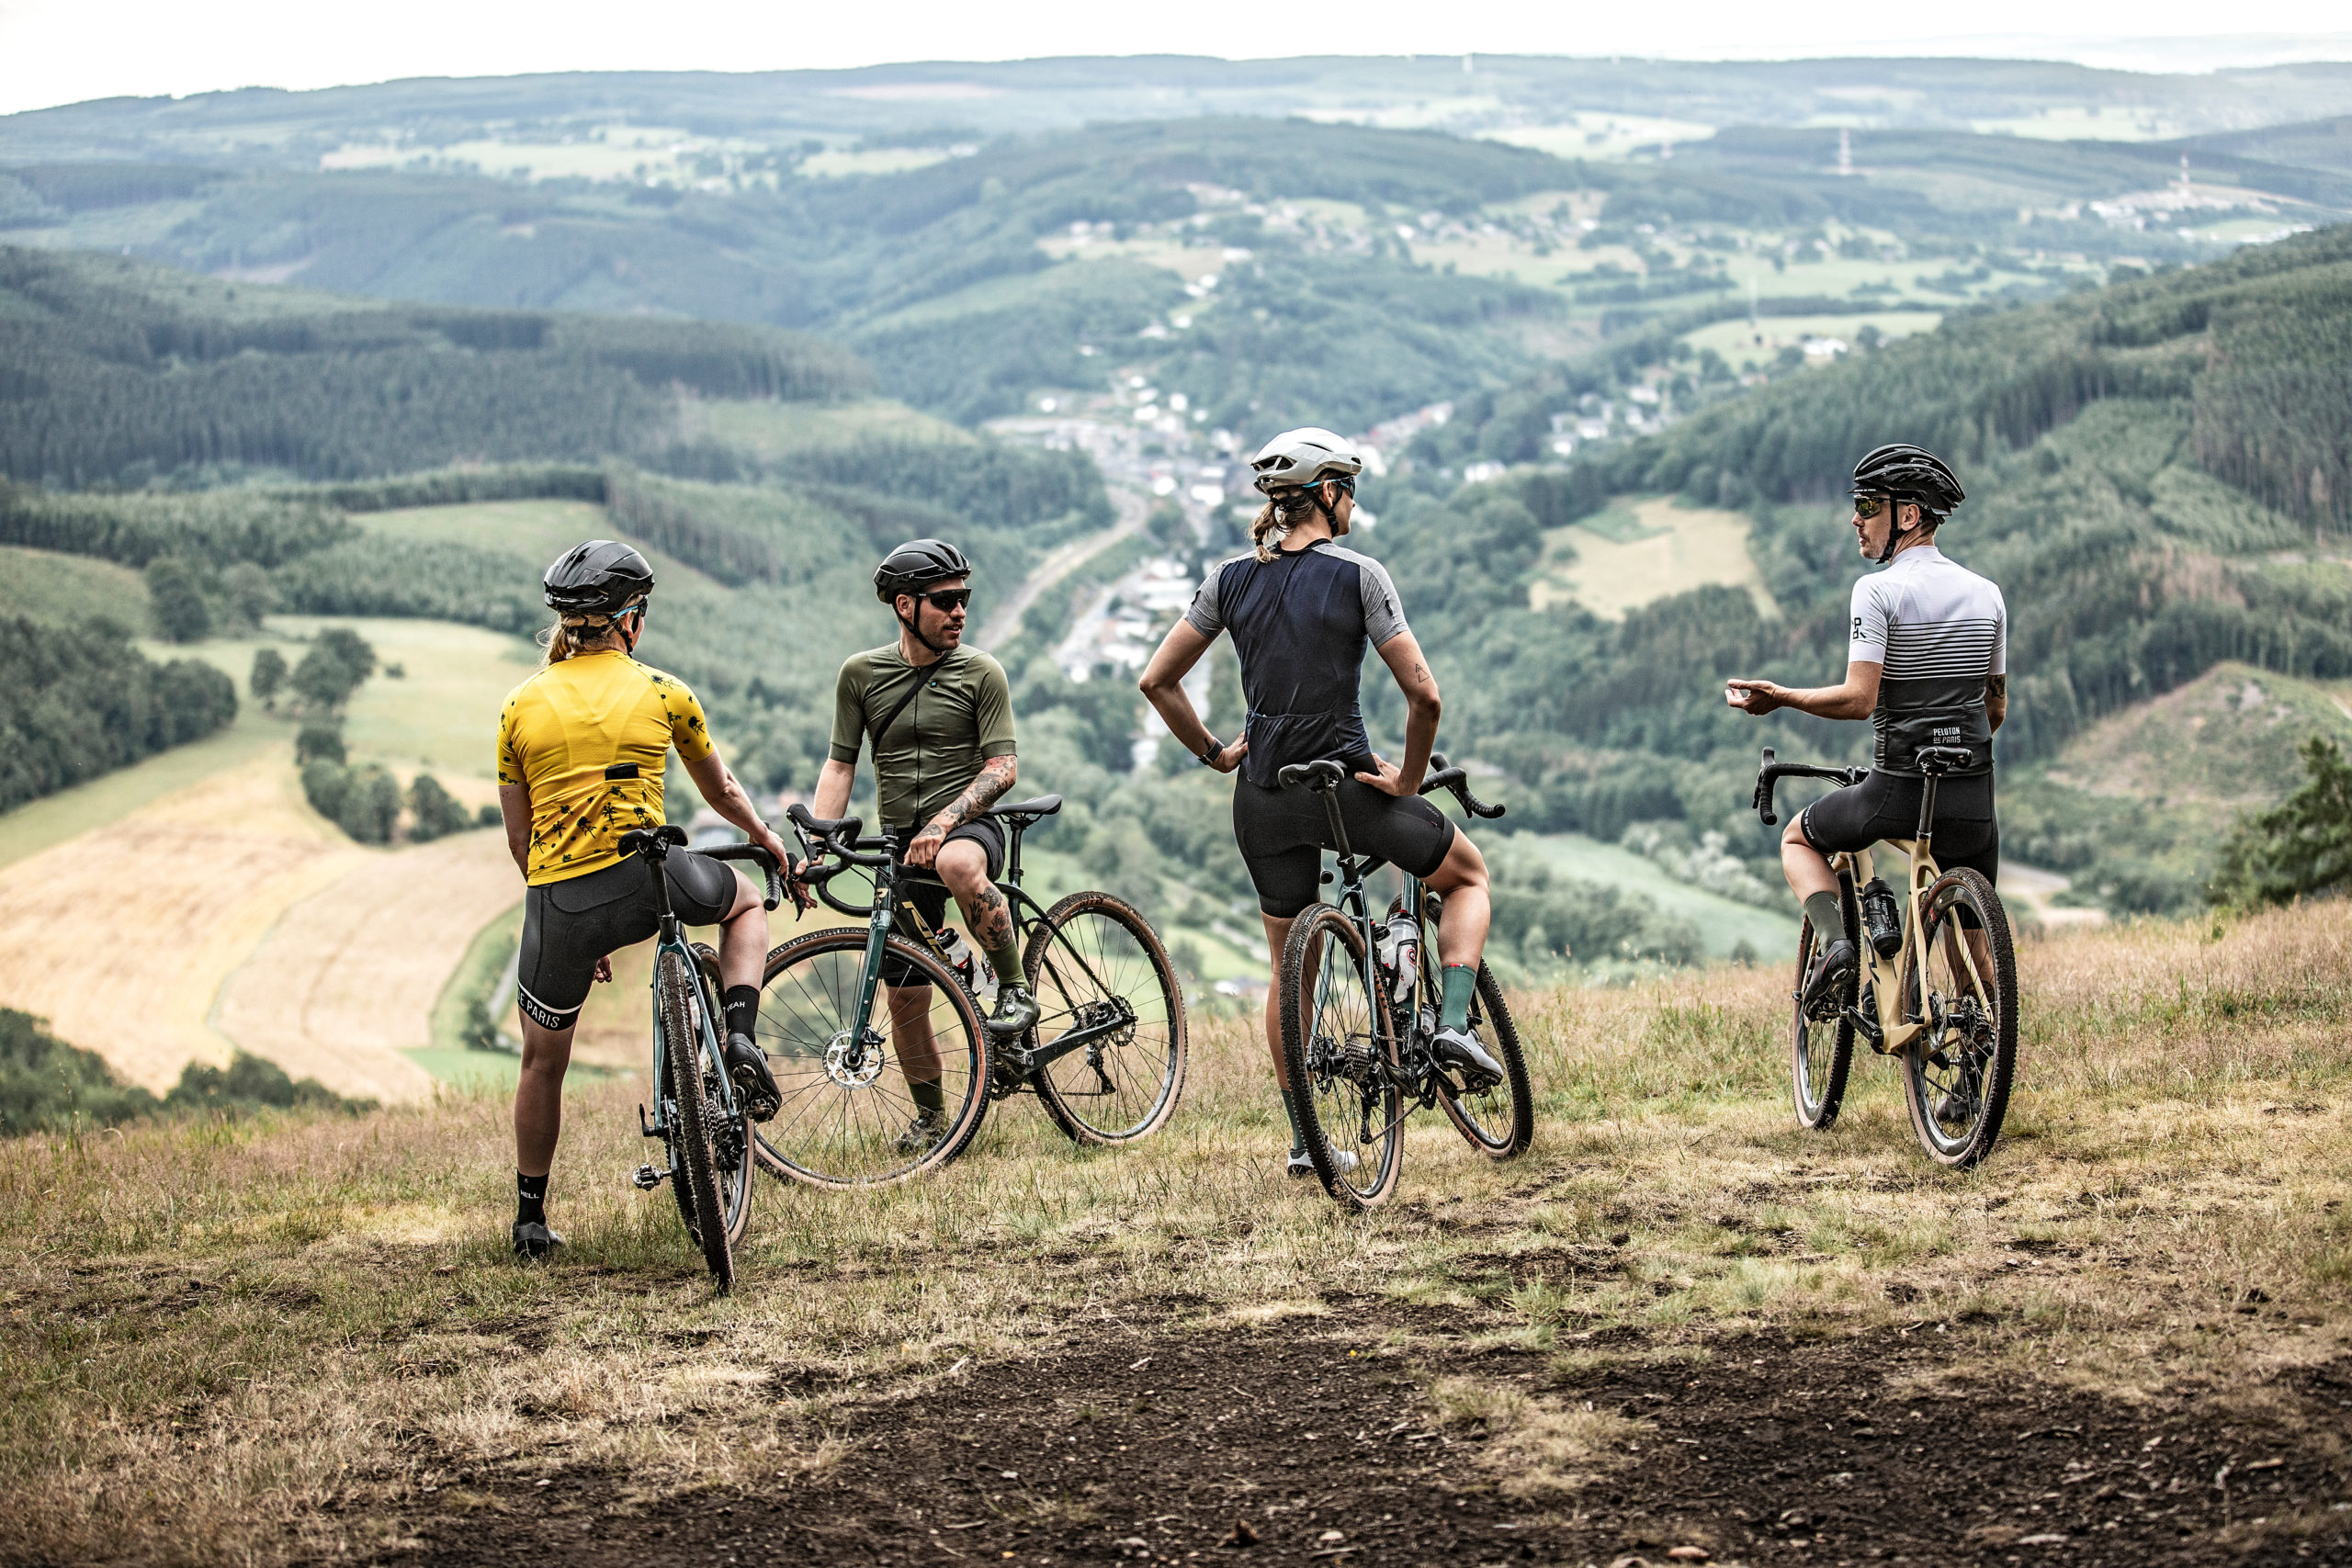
(959, 956)
(1882, 917)
(1403, 936)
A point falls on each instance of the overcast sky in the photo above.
(54, 52)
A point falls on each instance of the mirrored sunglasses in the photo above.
(947, 599)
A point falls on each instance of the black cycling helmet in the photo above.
(1901, 472)
(599, 578)
(916, 565)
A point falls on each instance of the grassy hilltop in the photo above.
(304, 1339)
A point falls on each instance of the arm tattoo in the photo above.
(991, 919)
(1998, 685)
(995, 778)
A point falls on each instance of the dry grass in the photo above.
(236, 1343)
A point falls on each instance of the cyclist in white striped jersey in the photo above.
(1927, 663)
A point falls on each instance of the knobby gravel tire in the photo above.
(1821, 1054)
(693, 1164)
(1986, 1079)
(1318, 1020)
(1090, 948)
(834, 1131)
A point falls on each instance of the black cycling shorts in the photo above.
(1885, 805)
(929, 898)
(1284, 832)
(567, 925)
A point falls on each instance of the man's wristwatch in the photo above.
(1215, 750)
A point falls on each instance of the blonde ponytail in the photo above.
(1273, 519)
(575, 633)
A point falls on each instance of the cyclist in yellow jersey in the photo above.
(580, 750)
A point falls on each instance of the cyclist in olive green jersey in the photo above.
(940, 718)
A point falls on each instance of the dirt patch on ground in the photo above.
(1310, 1439)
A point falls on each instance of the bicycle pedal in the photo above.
(645, 1178)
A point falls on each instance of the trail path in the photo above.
(1133, 508)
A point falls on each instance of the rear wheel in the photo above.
(1821, 1050)
(1098, 970)
(1339, 1055)
(1957, 1074)
(851, 1116)
(693, 1111)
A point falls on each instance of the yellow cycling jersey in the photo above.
(589, 737)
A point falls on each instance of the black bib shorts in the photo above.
(567, 925)
(1886, 805)
(929, 898)
(1284, 832)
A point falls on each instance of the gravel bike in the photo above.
(704, 1127)
(1939, 987)
(852, 1020)
(1358, 1006)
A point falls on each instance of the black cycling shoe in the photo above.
(1015, 1014)
(533, 1239)
(1834, 965)
(1459, 1049)
(748, 1066)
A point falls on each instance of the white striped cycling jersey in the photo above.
(1939, 630)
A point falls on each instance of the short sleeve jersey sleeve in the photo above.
(849, 709)
(1206, 616)
(992, 708)
(1869, 613)
(689, 731)
(2001, 636)
(1384, 613)
(510, 752)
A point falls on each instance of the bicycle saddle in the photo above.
(1044, 805)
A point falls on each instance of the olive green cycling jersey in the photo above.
(960, 718)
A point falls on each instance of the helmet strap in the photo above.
(914, 628)
(1895, 531)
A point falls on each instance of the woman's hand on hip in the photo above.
(1387, 779)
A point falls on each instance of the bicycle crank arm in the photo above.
(658, 1129)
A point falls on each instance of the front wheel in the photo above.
(1821, 1050)
(1957, 1073)
(1102, 980)
(863, 1107)
(697, 1111)
(1340, 1059)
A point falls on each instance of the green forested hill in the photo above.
(118, 370)
(2157, 481)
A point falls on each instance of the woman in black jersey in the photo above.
(1301, 609)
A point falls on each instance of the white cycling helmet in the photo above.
(1305, 456)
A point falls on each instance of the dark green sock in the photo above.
(1290, 1113)
(1453, 1012)
(1005, 959)
(928, 1097)
(1828, 920)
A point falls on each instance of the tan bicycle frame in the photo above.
(1896, 1033)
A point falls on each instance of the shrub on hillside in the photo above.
(319, 740)
(47, 1085)
(2300, 847)
(268, 676)
(333, 667)
(432, 813)
(364, 801)
(78, 702)
(178, 608)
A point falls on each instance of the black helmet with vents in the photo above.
(1910, 473)
(599, 578)
(915, 566)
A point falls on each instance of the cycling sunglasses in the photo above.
(1869, 506)
(947, 599)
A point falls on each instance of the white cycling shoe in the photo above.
(1302, 1163)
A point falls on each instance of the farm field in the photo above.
(1724, 923)
(65, 590)
(773, 431)
(1737, 341)
(1602, 1349)
(1665, 548)
(51, 821)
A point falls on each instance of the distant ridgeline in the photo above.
(2138, 458)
